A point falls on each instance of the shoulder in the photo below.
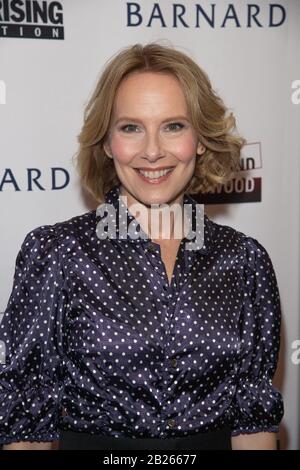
(78, 225)
(44, 239)
(243, 247)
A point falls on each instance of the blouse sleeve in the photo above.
(31, 341)
(258, 404)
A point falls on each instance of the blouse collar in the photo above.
(203, 243)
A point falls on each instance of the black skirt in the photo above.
(214, 440)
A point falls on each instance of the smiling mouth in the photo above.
(154, 175)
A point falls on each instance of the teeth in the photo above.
(155, 174)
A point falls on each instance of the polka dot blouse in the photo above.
(96, 339)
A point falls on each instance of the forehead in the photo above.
(150, 89)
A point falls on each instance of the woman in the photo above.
(135, 341)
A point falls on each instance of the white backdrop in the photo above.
(45, 83)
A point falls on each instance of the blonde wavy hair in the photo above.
(216, 129)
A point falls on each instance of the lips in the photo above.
(154, 177)
(154, 174)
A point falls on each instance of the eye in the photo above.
(130, 126)
(173, 125)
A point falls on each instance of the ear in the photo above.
(107, 150)
(200, 148)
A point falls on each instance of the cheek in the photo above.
(122, 149)
(185, 149)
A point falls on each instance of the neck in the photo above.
(158, 222)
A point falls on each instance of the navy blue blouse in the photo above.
(96, 340)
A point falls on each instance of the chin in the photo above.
(159, 199)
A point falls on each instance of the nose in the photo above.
(153, 149)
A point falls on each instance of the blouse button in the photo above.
(174, 362)
(171, 423)
(151, 249)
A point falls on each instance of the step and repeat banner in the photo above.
(51, 56)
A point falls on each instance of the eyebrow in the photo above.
(172, 118)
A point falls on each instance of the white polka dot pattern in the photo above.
(98, 341)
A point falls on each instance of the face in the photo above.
(151, 139)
